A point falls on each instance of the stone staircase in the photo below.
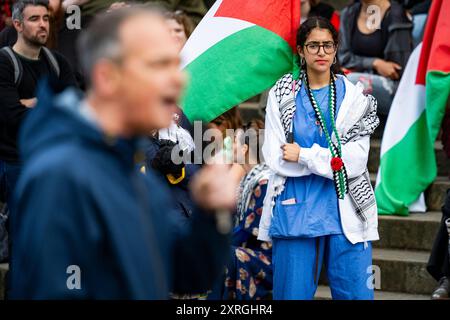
(405, 242)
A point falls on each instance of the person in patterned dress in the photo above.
(249, 272)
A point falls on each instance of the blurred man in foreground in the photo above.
(90, 226)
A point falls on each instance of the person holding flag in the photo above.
(320, 206)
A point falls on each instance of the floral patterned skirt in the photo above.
(249, 275)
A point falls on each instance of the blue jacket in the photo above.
(82, 202)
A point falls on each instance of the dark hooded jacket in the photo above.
(82, 206)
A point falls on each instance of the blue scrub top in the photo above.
(316, 210)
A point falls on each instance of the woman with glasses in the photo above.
(320, 206)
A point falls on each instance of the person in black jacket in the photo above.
(375, 44)
(439, 262)
(18, 94)
(61, 38)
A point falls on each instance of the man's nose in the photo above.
(43, 23)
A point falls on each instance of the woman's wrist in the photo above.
(376, 63)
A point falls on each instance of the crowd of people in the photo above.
(89, 121)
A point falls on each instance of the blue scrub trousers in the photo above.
(297, 264)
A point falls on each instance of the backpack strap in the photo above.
(52, 60)
(18, 68)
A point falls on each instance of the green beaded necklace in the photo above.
(339, 171)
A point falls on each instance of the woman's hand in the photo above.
(291, 152)
(387, 69)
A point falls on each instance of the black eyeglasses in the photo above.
(314, 47)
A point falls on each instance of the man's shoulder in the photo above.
(58, 56)
(62, 160)
(47, 54)
(6, 67)
(66, 72)
(4, 57)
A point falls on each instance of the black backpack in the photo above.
(18, 68)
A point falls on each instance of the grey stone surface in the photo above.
(404, 271)
(324, 293)
(416, 231)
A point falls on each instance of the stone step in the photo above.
(443, 163)
(3, 270)
(402, 271)
(414, 232)
(434, 195)
(324, 293)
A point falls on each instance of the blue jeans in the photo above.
(297, 264)
(383, 89)
(9, 175)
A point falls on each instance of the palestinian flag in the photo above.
(408, 164)
(239, 49)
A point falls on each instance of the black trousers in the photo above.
(438, 264)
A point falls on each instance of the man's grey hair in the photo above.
(20, 5)
(101, 39)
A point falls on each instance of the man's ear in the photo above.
(105, 77)
(18, 25)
